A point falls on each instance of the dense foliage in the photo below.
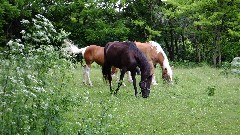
(33, 74)
(201, 30)
(41, 92)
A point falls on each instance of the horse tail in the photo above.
(105, 67)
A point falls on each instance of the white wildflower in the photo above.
(18, 40)
(34, 95)
(25, 21)
(45, 106)
(40, 33)
(10, 42)
(34, 20)
(9, 110)
(38, 26)
(23, 32)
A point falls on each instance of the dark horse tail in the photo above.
(105, 67)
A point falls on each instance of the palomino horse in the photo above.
(155, 55)
(126, 56)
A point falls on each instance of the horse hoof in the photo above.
(130, 81)
(154, 83)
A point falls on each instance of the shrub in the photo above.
(32, 82)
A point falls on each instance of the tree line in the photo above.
(188, 30)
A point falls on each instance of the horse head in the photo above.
(145, 86)
(167, 74)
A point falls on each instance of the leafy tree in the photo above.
(8, 13)
(206, 24)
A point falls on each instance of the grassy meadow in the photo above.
(203, 100)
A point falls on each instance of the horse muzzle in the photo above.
(145, 92)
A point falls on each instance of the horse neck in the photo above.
(162, 60)
(144, 68)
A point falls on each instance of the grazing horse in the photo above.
(126, 56)
(155, 55)
(91, 53)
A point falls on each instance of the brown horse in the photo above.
(92, 53)
(155, 55)
(126, 56)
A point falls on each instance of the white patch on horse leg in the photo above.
(84, 74)
(154, 82)
(88, 75)
(129, 77)
(123, 83)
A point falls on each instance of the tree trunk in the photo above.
(204, 52)
(215, 44)
(198, 54)
(176, 47)
(214, 55)
(183, 47)
(171, 53)
(219, 48)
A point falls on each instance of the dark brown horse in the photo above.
(126, 56)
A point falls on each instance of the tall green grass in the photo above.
(183, 108)
(55, 101)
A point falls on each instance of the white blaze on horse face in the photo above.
(166, 65)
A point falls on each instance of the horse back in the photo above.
(119, 55)
(94, 53)
(150, 52)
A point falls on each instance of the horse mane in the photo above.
(160, 50)
(140, 57)
(105, 67)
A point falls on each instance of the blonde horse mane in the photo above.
(165, 62)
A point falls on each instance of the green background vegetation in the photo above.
(41, 90)
(201, 30)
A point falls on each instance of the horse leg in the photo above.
(84, 74)
(129, 76)
(110, 80)
(133, 74)
(154, 82)
(114, 73)
(123, 71)
(117, 80)
(87, 72)
(152, 68)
